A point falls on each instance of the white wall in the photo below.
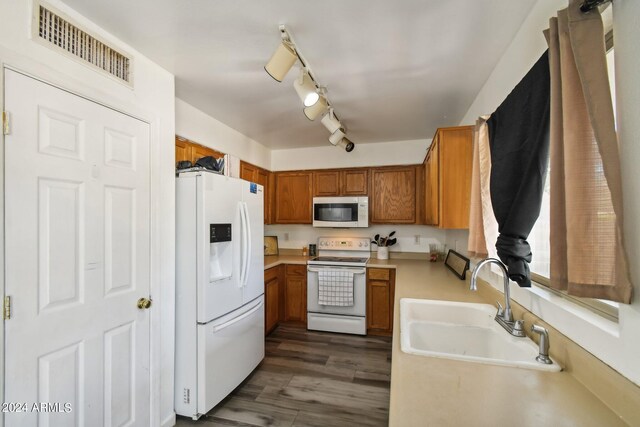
(297, 236)
(151, 99)
(616, 344)
(326, 157)
(199, 127)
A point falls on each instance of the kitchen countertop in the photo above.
(427, 391)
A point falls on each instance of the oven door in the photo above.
(359, 307)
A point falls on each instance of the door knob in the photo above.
(144, 303)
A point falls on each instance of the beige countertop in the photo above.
(429, 391)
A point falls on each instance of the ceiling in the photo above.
(394, 70)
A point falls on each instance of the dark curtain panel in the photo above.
(519, 142)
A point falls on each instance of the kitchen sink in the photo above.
(463, 331)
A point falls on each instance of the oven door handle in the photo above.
(353, 270)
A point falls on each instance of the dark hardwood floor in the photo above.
(311, 379)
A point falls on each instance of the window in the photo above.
(539, 236)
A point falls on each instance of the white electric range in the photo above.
(342, 255)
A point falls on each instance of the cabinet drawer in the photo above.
(296, 270)
(378, 273)
(270, 274)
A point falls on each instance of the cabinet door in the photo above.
(200, 151)
(432, 202)
(293, 198)
(393, 195)
(354, 182)
(380, 301)
(326, 183)
(295, 299)
(183, 150)
(378, 314)
(456, 154)
(272, 306)
(248, 171)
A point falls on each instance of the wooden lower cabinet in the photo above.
(295, 293)
(381, 284)
(271, 299)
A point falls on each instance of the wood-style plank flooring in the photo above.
(311, 379)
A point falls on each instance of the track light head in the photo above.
(330, 121)
(282, 60)
(316, 109)
(306, 89)
(347, 145)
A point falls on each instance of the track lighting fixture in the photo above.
(330, 121)
(313, 96)
(339, 139)
(306, 89)
(281, 62)
(316, 109)
(346, 144)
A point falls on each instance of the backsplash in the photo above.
(410, 238)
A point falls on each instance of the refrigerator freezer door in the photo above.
(253, 200)
(218, 264)
(229, 349)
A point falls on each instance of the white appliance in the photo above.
(219, 287)
(340, 256)
(341, 212)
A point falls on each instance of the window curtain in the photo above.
(519, 142)
(587, 246)
(482, 223)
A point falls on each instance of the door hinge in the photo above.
(6, 309)
(6, 128)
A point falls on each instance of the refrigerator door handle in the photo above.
(237, 319)
(249, 244)
(243, 243)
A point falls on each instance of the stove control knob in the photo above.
(366, 244)
(360, 244)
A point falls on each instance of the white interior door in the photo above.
(77, 259)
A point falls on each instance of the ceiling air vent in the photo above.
(54, 29)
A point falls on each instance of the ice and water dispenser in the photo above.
(220, 252)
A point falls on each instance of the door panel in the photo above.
(77, 259)
(219, 288)
(255, 279)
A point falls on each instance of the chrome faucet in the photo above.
(543, 356)
(504, 316)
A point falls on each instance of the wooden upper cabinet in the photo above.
(392, 197)
(340, 182)
(183, 150)
(252, 173)
(326, 183)
(200, 151)
(448, 178)
(293, 197)
(189, 150)
(431, 185)
(354, 182)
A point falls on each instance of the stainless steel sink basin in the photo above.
(463, 331)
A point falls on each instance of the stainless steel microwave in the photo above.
(342, 212)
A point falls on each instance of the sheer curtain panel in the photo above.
(587, 240)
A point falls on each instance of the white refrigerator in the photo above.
(219, 287)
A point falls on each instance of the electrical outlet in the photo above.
(286, 236)
(417, 239)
